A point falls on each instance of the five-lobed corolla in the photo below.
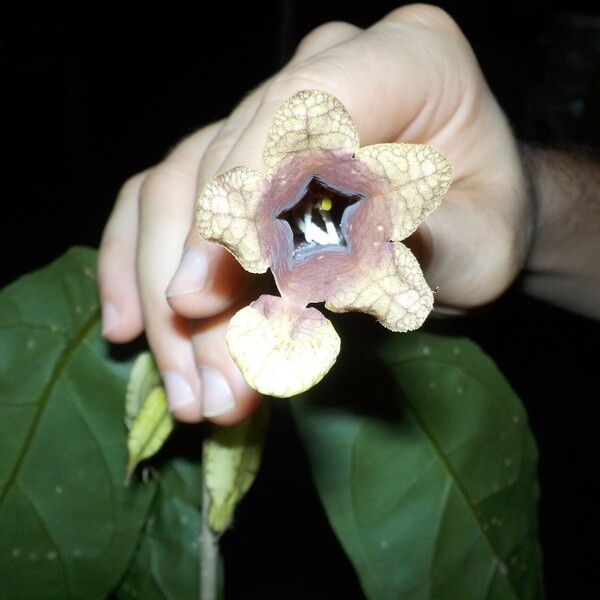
(327, 217)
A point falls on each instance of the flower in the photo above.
(327, 218)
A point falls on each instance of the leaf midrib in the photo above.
(42, 401)
(459, 486)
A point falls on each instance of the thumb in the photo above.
(469, 253)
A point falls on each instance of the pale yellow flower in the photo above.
(327, 218)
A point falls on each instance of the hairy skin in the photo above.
(411, 77)
(563, 266)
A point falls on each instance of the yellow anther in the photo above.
(326, 204)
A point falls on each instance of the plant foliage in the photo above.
(69, 527)
(419, 448)
(429, 481)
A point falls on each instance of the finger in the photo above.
(416, 48)
(322, 38)
(216, 157)
(225, 396)
(165, 212)
(390, 57)
(470, 250)
(208, 279)
(121, 306)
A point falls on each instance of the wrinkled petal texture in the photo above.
(281, 350)
(227, 212)
(309, 120)
(394, 291)
(416, 178)
(281, 347)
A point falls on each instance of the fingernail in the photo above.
(110, 317)
(179, 391)
(216, 393)
(191, 274)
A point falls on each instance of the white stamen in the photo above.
(333, 233)
(313, 233)
(319, 236)
(303, 227)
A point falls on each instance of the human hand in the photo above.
(411, 77)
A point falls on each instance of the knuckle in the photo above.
(309, 75)
(222, 144)
(132, 186)
(503, 258)
(427, 15)
(105, 251)
(109, 247)
(325, 35)
(109, 261)
(160, 186)
(186, 151)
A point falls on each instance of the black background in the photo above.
(94, 93)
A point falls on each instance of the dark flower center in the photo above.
(317, 218)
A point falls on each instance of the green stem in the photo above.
(209, 552)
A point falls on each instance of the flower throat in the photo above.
(317, 218)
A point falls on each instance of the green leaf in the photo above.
(166, 564)
(143, 379)
(68, 526)
(149, 430)
(430, 482)
(231, 460)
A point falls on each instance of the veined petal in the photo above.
(281, 350)
(309, 120)
(394, 291)
(417, 177)
(227, 212)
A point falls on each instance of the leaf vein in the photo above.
(47, 531)
(61, 363)
(458, 484)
